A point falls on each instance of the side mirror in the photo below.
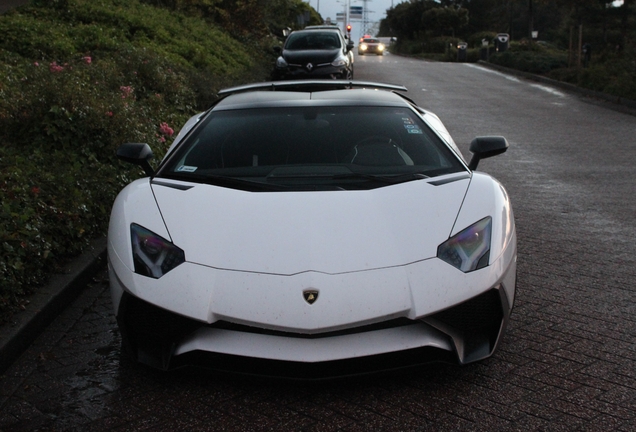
(138, 154)
(350, 45)
(485, 147)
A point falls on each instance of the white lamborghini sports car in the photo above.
(325, 227)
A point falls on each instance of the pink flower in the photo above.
(36, 64)
(165, 129)
(126, 91)
(162, 139)
(87, 59)
(54, 67)
(109, 113)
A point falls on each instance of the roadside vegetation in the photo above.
(588, 43)
(80, 77)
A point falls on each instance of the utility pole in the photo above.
(530, 20)
(365, 17)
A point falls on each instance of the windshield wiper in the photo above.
(392, 179)
(231, 182)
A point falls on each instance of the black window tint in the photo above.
(374, 139)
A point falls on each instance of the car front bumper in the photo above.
(170, 322)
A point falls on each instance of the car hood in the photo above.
(293, 232)
(316, 57)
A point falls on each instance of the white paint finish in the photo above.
(314, 350)
(292, 232)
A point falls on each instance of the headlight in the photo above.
(470, 249)
(340, 61)
(153, 255)
(281, 63)
(380, 47)
(363, 47)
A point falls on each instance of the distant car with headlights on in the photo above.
(312, 228)
(314, 53)
(371, 46)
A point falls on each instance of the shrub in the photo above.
(530, 61)
(70, 95)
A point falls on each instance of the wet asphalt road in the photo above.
(566, 362)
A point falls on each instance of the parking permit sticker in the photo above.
(186, 168)
(410, 126)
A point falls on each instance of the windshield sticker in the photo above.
(411, 127)
(186, 168)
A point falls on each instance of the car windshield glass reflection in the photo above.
(347, 147)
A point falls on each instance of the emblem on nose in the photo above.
(310, 296)
(309, 67)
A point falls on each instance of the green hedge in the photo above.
(77, 79)
(531, 62)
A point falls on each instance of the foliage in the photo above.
(247, 17)
(531, 58)
(431, 29)
(77, 79)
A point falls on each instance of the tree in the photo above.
(443, 21)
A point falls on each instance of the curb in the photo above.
(48, 302)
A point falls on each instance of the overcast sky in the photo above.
(376, 10)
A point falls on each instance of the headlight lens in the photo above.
(281, 63)
(363, 47)
(340, 61)
(380, 47)
(153, 255)
(470, 249)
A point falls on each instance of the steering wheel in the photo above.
(378, 150)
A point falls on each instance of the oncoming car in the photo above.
(275, 238)
(314, 53)
(370, 46)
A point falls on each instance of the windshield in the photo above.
(313, 40)
(311, 147)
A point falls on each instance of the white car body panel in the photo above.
(276, 302)
(252, 293)
(314, 350)
(293, 232)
